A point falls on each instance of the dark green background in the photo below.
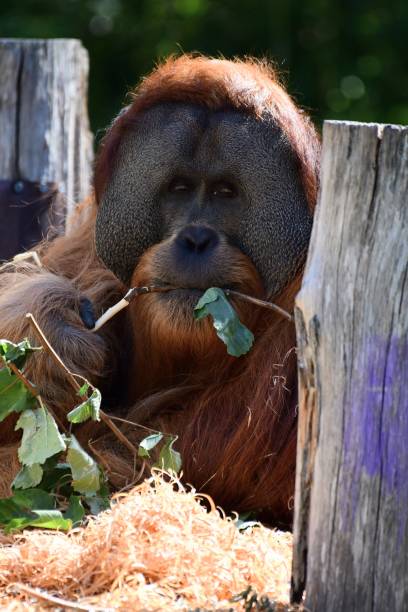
(341, 59)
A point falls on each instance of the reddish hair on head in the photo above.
(247, 85)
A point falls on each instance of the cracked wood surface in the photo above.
(44, 128)
(351, 502)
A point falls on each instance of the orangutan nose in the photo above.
(197, 239)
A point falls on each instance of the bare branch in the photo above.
(48, 348)
(33, 390)
(258, 302)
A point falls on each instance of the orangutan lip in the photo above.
(186, 294)
(167, 288)
(182, 293)
(186, 291)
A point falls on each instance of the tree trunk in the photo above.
(351, 502)
(44, 129)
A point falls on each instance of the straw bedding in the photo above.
(158, 548)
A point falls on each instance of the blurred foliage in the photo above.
(341, 59)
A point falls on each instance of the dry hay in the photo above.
(156, 549)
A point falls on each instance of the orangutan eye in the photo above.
(224, 190)
(180, 185)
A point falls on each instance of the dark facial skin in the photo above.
(206, 183)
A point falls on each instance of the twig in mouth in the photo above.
(258, 302)
(125, 301)
(136, 291)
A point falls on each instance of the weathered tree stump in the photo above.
(351, 504)
(45, 140)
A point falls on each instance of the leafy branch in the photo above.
(92, 404)
(59, 482)
(40, 453)
(237, 338)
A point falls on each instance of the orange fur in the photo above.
(251, 86)
(235, 418)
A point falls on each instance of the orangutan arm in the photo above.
(58, 294)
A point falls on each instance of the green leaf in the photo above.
(211, 295)
(85, 471)
(169, 459)
(41, 438)
(9, 510)
(31, 508)
(16, 353)
(238, 338)
(31, 499)
(22, 502)
(97, 503)
(28, 476)
(43, 519)
(14, 396)
(100, 502)
(242, 525)
(57, 476)
(89, 409)
(148, 443)
(83, 390)
(75, 511)
(246, 520)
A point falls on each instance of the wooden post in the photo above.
(44, 128)
(351, 502)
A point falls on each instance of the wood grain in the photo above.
(44, 128)
(351, 506)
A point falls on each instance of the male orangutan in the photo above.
(208, 178)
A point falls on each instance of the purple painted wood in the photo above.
(351, 506)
